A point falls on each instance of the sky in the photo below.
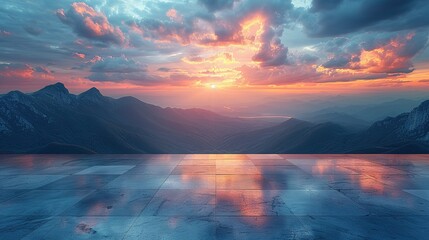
(199, 52)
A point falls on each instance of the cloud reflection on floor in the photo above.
(214, 196)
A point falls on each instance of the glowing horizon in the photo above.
(215, 47)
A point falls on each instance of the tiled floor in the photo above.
(214, 196)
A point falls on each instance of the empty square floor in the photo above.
(214, 196)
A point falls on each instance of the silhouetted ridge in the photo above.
(92, 94)
(57, 88)
(57, 93)
(96, 123)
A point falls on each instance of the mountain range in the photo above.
(52, 120)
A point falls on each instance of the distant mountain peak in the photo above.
(418, 120)
(424, 105)
(92, 94)
(54, 88)
(294, 121)
(15, 96)
(58, 92)
(15, 93)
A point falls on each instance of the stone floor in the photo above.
(214, 197)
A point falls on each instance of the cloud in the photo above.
(391, 53)
(199, 79)
(136, 78)
(237, 27)
(33, 30)
(88, 23)
(330, 40)
(272, 52)
(95, 59)
(288, 74)
(43, 70)
(226, 27)
(164, 69)
(216, 5)
(79, 55)
(337, 17)
(118, 65)
(308, 58)
(122, 69)
(174, 15)
(272, 16)
(324, 5)
(17, 73)
(4, 33)
(226, 58)
(166, 30)
(22, 71)
(360, 57)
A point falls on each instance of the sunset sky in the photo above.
(182, 52)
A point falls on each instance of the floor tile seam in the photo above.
(12, 197)
(45, 233)
(70, 207)
(101, 187)
(141, 211)
(355, 201)
(156, 192)
(58, 216)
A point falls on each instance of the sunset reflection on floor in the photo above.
(211, 196)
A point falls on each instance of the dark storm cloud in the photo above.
(216, 5)
(333, 18)
(323, 5)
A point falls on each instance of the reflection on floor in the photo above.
(214, 196)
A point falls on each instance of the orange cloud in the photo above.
(226, 58)
(95, 59)
(393, 56)
(90, 24)
(174, 15)
(385, 58)
(16, 71)
(79, 55)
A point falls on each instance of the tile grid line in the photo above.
(151, 199)
(307, 229)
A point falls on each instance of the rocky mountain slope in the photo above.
(52, 120)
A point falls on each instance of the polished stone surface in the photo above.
(211, 196)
